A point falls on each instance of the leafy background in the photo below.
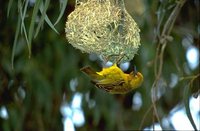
(40, 70)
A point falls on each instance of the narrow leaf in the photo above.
(42, 17)
(25, 9)
(187, 108)
(9, 7)
(32, 24)
(23, 28)
(15, 42)
(64, 4)
(49, 22)
(23, 14)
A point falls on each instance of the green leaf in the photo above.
(187, 108)
(15, 42)
(42, 17)
(32, 24)
(9, 7)
(23, 14)
(23, 28)
(48, 21)
(64, 4)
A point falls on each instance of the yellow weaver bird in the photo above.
(114, 80)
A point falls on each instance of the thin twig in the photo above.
(144, 117)
(160, 53)
(153, 98)
(189, 77)
(153, 119)
(161, 59)
(170, 22)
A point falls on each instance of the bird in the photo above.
(113, 80)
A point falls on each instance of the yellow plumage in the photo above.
(114, 80)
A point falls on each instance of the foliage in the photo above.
(35, 83)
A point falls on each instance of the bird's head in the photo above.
(136, 78)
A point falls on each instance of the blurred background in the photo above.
(42, 87)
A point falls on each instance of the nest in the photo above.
(105, 28)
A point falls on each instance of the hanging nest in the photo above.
(103, 27)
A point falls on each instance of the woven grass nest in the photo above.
(105, 28)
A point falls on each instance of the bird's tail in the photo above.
(90, 72)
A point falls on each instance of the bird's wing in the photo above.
(108, 85)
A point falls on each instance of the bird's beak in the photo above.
(135, 71)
